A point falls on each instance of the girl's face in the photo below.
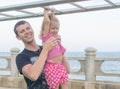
(54, 27)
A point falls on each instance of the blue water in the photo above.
(82, 54)
(108, 67)
(4, 54)
(98, 54)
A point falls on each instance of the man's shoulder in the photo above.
(23, 52)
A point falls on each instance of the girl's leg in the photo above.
(64, 86)
(57, 88)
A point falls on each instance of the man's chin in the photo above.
(29, 42)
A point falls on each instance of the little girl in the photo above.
(57, 66)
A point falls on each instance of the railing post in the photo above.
(14, 70)
(90, 68)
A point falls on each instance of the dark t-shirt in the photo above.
(29, 57)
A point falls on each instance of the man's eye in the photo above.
(22, 31)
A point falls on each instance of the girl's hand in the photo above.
(46, 8)
(52, 12)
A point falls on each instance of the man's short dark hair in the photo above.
(18, 24)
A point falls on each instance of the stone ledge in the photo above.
(9, 88)
(12, 82)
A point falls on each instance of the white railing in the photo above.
(89, 66)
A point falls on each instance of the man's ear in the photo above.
(18, 37)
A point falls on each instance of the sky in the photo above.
(97, 29)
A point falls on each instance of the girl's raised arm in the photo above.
(46, 22)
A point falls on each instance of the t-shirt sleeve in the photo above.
(21, 61)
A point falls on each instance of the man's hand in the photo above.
(50, 43)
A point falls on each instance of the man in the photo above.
(30, 62)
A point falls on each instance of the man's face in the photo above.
(25, 33)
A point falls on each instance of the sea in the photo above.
(108, 66)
